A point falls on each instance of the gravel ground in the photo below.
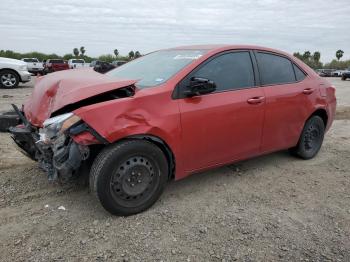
(270, 208)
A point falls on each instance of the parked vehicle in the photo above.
(172, 113)
(326, 72)
(337, 73)
(53, 65)
(12, 72)
(101, 66)
(93, 63)
(117, 63)
(34, 65)
(76, 63)
(346, 74)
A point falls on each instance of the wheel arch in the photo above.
(321, 112)
(159, 142)
(12, 70)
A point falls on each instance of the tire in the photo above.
(8, 79)
(129, 177)
(311, 139)
(343, 78)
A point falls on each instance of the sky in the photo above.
(101, 26)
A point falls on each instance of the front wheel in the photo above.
(311, 138)
(129, 177)
(343, 78)
(8, 79)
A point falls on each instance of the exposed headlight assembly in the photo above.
(53, 127)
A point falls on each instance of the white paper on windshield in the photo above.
(190, 57)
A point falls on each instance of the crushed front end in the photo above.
(53, 145)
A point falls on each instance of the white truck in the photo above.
(12, 72)
(76, 63)
(34, 65)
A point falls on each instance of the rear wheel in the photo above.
(8, 79)
(311, 138)
(343, 78)
(129, 177)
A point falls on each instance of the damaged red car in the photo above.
(169, 114)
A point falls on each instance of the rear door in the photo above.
(290, 97)
(226, 125)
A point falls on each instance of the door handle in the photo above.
(308, 91)
(256, 100)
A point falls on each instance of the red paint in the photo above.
(202, 132)
(85, 138)
(59, 89)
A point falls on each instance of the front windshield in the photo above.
(156, 68)
(78, 61)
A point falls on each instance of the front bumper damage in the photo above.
(61, 158)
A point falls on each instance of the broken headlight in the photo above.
(53, 127)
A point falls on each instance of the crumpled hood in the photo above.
(56, 90)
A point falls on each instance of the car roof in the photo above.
(217, 48)
(222, 47)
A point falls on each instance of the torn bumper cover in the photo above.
(53, 145)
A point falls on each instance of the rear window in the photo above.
(275, 69)
(56, 61)
(30, 60)
(78, 61)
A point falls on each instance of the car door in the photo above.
(225, 125)
(289, 100)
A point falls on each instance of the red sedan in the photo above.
(172, 113)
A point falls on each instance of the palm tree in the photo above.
(317, 56)
(116, 52)
(339, 54)
(82, 50)
(306, 55)
(137, 54)
(76, 51)
(298, 55)
(131, 54)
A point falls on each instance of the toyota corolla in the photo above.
(169, 114)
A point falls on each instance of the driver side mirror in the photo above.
(200, 86)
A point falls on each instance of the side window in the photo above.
(298, 73)
(275, 69)
(229, 71)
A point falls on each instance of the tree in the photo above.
(76, 52)
(116, 52)
(307, 55)
(137, 54)
(317, 56)
(68, 56)
(339, 54)
(82, 50)
(311, 60)
(298, 55)
(131, 54)
(107, 58)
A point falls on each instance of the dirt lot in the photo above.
(274, 207)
